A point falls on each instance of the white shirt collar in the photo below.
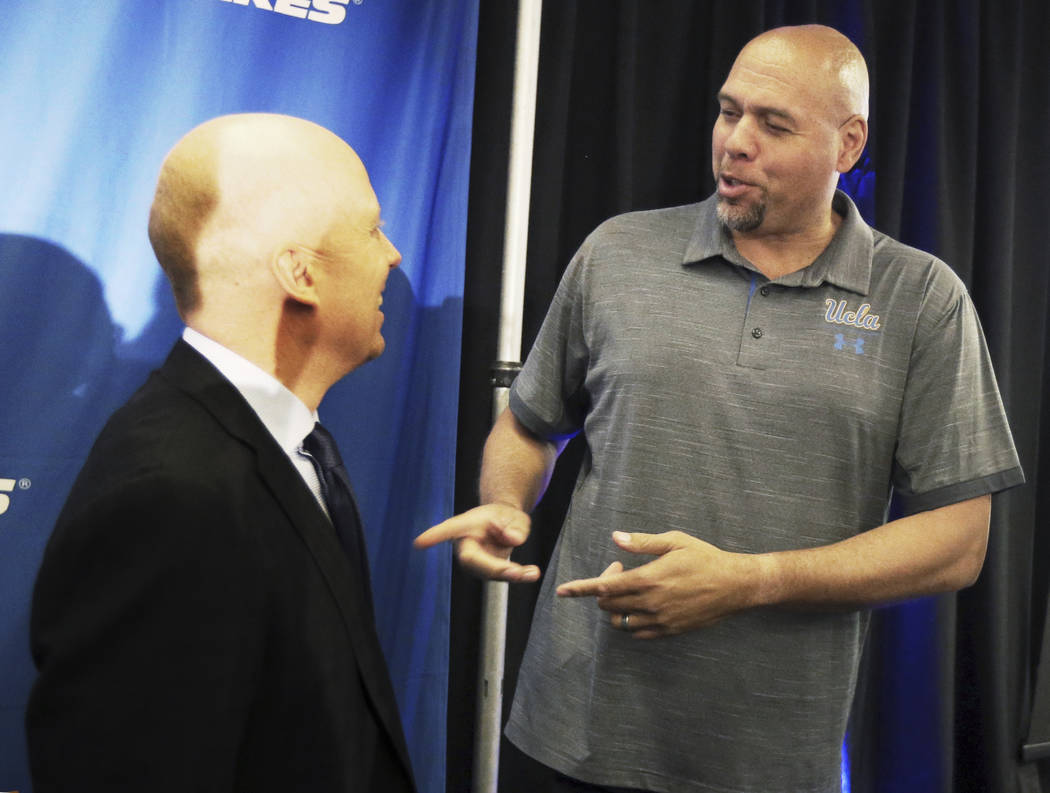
(281, 411)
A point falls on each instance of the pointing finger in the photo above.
(450, 529)
(505, 524)
(609, 583)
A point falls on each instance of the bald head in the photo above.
(236, 188)
(834, 68)
(792, 117)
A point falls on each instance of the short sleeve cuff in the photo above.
(952, 494)
(531, 421)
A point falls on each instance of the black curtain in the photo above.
(961, 108)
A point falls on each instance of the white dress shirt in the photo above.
(281, 411)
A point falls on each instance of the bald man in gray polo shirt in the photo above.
(754, 375)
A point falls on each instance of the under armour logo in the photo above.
(841, 342)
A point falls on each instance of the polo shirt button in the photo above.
(757, 333)
(764, 291)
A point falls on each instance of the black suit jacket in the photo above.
(195, 623)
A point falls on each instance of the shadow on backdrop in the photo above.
(57, 363)
(65, 369)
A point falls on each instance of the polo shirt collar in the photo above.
(846, 262)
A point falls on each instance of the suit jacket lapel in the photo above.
(189, 371)
(323, 543)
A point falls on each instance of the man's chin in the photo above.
(738, 217)
(360, 357)
(377, 349)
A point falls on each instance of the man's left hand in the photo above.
(691, 584)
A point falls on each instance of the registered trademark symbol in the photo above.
(359, 2)
(24, 484)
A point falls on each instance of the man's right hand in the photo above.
(484, 538)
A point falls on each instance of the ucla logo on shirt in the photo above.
(839, 313)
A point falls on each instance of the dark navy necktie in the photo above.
(342, 507)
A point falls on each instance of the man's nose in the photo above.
(395, 254)
(741, 141)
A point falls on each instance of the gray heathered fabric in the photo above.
(757, 419)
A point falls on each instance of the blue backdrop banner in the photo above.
(92, 95)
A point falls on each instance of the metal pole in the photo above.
(490, 666)
(512, 296)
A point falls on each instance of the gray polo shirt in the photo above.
(759, 416)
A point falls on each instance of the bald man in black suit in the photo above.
(196, 622)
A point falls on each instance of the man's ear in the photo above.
(295, 269)
(852, 136)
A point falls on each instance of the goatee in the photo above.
(741, 218)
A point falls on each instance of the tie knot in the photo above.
(321, 446)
